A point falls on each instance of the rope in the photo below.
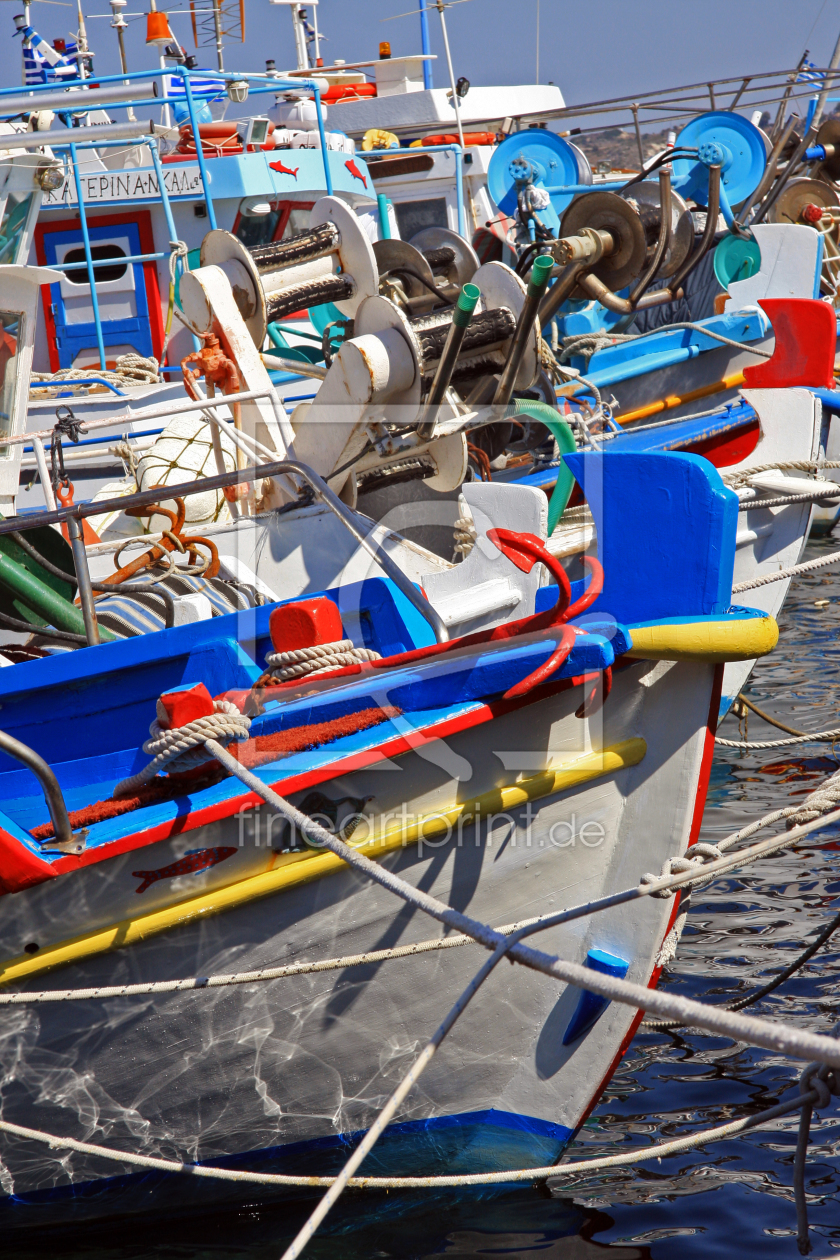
(700, 855)
(592, 342)
(818, 737)
(786, 573)
(570, 1169)
(177, 250)
(184, 747)
(737, 479)
(524, 1174)
(314, 660)
(129, 369)
(831, 491)
(765, 717)
(823, 800)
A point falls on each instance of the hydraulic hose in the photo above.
(565, 439)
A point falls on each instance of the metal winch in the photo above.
(332, 261)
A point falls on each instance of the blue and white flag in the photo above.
(41, 62)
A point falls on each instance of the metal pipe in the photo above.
(316, 370)
(773, 196)
(49, 786)
(77, 543)
(823, 96)
(540, 272)
(119, 260)
(59, 137)
(646, 279)
(75, 102)
(565, 285)
(425, 46)
(94, 300)
(712, 211)
(599, 291)
(199, 147)
(43, 472)
(461, 318)
(325, 153)
(145, 498)
(769, 170)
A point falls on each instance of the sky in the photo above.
(601, 49)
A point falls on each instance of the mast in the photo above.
(425, 45)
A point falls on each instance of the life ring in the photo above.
(219, 136)
(347, 92)
(470, 138)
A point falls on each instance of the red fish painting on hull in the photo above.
(284, 170)
(192, 861)
(354, 171)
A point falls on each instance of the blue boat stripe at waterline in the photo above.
(487, 1122)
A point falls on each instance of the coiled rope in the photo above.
(184, 748)
(319, 659)
(129, 370)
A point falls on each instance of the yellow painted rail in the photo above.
(730, 639)
(300, 868)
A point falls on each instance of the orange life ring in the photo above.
(470, 138)
(221, 136)
(347, 92)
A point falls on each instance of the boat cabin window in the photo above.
(285, 219)
(413, 216)
(102, 274)
(12, 224)
(11, 333)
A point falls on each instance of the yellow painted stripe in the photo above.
(676, 400)
(294, 869)
(735, 639)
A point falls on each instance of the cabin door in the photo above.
(128, 295)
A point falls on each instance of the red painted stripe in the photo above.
(393, 747)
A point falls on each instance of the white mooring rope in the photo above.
(183, 748)
(312, 660)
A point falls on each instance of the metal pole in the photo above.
(823, 96)
(77, 542)
(217, 23)
(425, 45)
(321, 132)
(44, 473)
(461, 319)
(459, 192)
(537, 285)
(49, 786)
(635, 108)
(456, 104)
(199, 148)
(538, 43)
(88, 258)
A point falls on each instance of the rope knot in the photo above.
(700, 854)
(183, 747)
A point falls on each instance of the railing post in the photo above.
(77, 543)
(199, 147)
(88, 258)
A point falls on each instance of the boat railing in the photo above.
(139, 129)
(73, 515)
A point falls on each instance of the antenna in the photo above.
(226, 18)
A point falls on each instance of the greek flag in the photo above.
(41, 62)
(201, 87)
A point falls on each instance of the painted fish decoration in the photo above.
(355, 172)
(284, 170)
(192, 861)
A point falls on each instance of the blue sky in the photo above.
(598, 49)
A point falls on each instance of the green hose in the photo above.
(565, 439)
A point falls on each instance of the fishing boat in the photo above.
(512, 772)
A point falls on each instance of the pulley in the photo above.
(541, 158)
(790, 205)
(332, 261)
(403, 270)
(450, 257)
(829, 134)
(644, 197)
(608, 212)
(734, 142)
(735, 258)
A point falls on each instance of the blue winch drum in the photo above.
(720, 133)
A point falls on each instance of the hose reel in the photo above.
(721, 136)
(624, 259)
(545, 160)
(645, 198)
(790, 205)
(332, 261)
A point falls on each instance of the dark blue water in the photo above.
(730, 1199)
